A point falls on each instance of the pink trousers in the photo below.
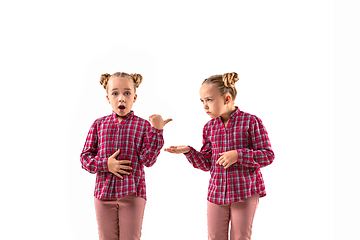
(240, 214)
(121, 218)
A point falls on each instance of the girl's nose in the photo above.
(121, 98)
(205, 105)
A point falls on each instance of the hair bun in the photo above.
(230, 79)
(137, 79)
(104, 78)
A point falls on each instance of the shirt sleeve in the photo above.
(202, 159)
(89, 159)
(261, 154)
(153, 141)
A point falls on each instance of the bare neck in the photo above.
(226, 115)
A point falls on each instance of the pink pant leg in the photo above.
(107, 219)
(131, 213)
(242, 216)
(121, 218)
(218, 217)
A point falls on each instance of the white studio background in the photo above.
(53, 53)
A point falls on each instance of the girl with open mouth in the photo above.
(117, 148)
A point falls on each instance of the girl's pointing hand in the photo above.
(158, 122)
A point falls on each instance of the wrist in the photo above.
(157, 129)
(187, 150)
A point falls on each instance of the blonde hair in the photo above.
(137, 78)
(225, 83)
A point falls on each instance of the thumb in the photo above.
(116, 153)
(167, 121)
(221, 154)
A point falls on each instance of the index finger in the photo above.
(124, 161)
(153, 116)
(171, 147)
(170, 150)
(220, 159)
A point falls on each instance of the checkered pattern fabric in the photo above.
(246, 134)
(137, 141)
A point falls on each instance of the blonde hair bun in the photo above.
(137, 79)
(104, 78)
(230, 79)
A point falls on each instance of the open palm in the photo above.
(178, 149)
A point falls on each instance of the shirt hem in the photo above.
(237, 200)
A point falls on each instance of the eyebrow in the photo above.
(207, 97)
(118, 89)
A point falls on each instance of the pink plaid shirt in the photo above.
(246, 134)
(137, 141)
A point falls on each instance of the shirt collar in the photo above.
(127, 116)
(236, 112)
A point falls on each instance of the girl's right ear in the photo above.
(107, 97)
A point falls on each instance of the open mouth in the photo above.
(121, 107)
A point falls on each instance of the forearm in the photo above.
(93, 164)
(152, 146)
(261, 154)
(200, 160)
(255, 158)
(90, 161)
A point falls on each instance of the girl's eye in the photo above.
(114, 93)
(127, 93)
(209, 100)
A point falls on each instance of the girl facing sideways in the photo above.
(235, 147)
(117, 148)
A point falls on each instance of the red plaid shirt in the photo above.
(246, 134)
(137, 141)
